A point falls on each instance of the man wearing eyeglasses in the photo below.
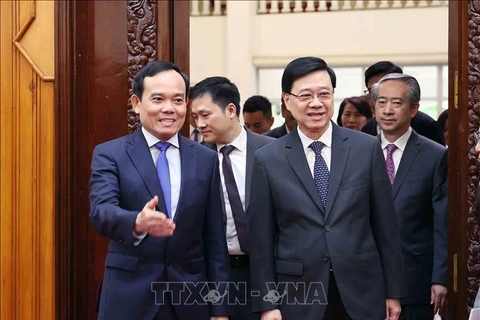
(321, 214)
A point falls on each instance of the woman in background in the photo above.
(443, 122)
(354, 112)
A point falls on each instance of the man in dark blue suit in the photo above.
(422, 123)
(417, 169)
(321, 214)
(156, 196)
(285, 128)
(215, 103)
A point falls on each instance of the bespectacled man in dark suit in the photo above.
(321, 214)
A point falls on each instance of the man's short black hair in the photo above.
(258, 103)
(222, 91)
(303, 66)
(381, 67)
(152, 69)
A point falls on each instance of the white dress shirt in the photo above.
(238, 157)
(326, 139)
(174, 165)
(401, 143)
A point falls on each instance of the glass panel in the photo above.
(426, 77)
(429, 107)
(445, 81)
(269, 83)
(349, 82)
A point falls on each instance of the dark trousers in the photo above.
(416, 312)
(242, 310)
(166, 312)
(335, 309)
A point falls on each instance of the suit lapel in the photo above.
(189, 168)
(141, 158)
(411, 151)
(340, 152)
(299, 164)
(252, 145)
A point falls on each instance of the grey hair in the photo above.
(413, 93)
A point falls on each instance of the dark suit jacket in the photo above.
(420, 195)
(296, 240)
(422, 123)
(277, 132)
(123, 180)
(254, 142)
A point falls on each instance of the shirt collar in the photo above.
(240, 142)
(326, 138)
(152, 140)
(401, 142)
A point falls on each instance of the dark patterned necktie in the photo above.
(389, 161)
(321, 175)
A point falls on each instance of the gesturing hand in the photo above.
(153, 222)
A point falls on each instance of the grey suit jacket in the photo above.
(420, 196)
(296, 240)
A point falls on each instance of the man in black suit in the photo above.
(215, 104)
(285, 128)
(422, 123)
(257, 114)
(417, 168)
(321, 214)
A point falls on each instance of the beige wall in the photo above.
(236, 44)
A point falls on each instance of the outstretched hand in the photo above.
(152, 222)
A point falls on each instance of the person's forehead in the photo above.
(393, 84)
(316, 78)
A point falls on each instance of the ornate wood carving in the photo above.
(141, 42)
(473, 263)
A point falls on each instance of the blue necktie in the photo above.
(164, 175)
(238, 213)
(321, 175)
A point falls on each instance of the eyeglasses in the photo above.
(304, 97)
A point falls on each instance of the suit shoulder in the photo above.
(261, 138)
(114, 144)
(430, 146)
(276, 132)
(424, 118)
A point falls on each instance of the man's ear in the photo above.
(231, 110)
(414, 109)
(286, 99)
(271, 121)
(135, 103)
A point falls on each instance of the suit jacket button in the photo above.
(328, 228)
(168, 262)
(326, 258)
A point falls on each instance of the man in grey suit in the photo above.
(215, 104)
(417, 168)
(321, 214)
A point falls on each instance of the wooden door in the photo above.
(463, 172)
(27, 152)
